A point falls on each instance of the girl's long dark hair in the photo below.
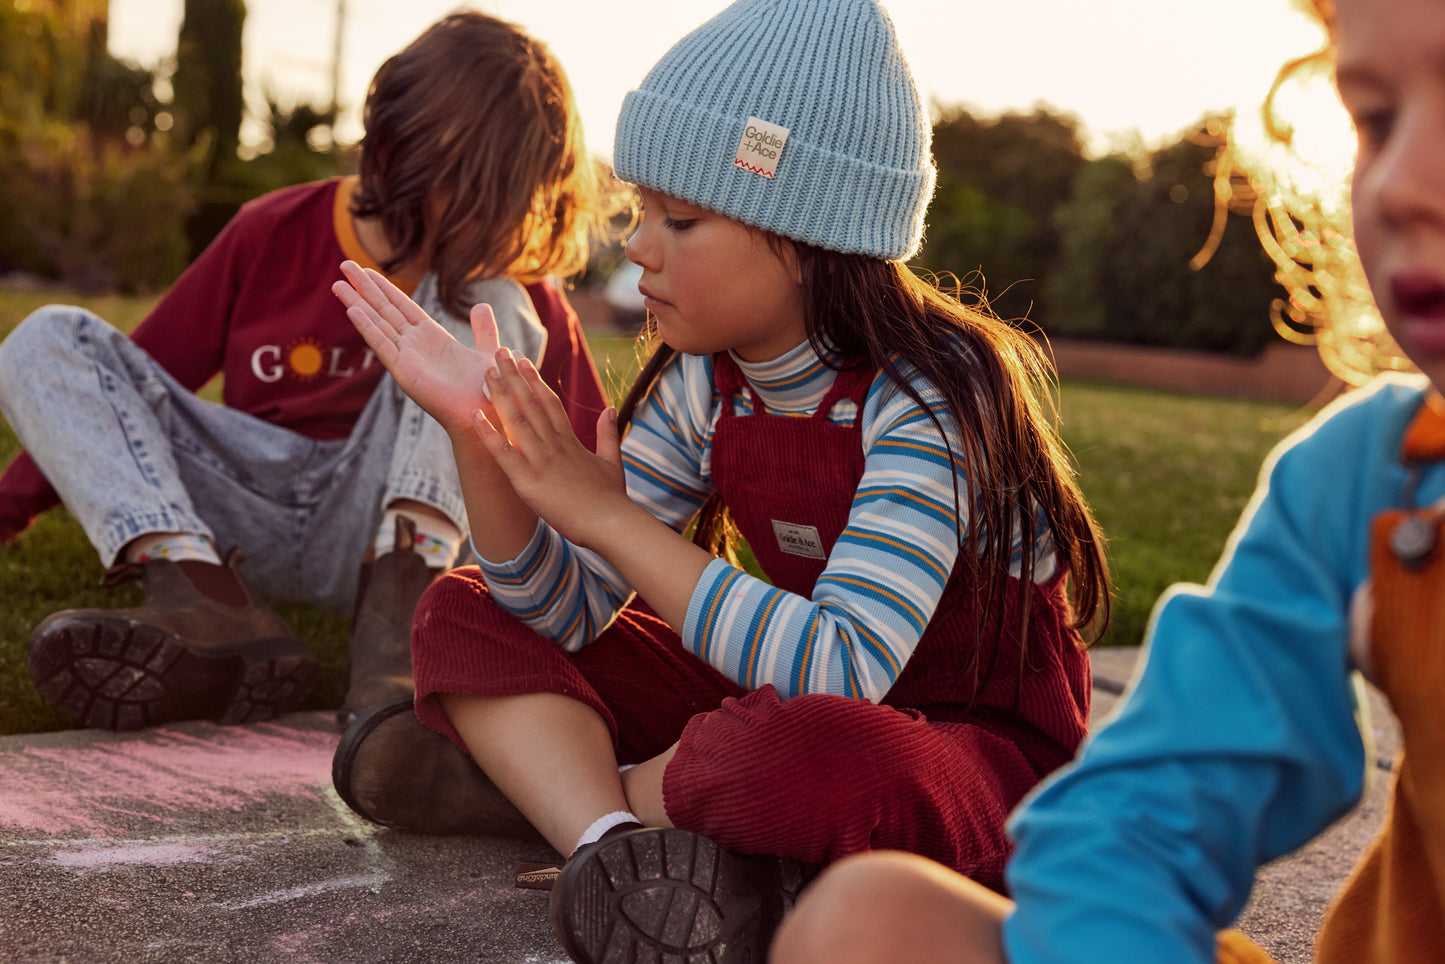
(995, 379)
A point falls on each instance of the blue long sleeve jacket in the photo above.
(1239, 739)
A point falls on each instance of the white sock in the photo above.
(603, 824)
(172, 546)
(437, 541)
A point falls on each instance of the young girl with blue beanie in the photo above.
(910, 667)
(1244, 735)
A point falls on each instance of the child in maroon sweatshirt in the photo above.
(474, 186)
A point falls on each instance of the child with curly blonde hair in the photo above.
(1242, 737)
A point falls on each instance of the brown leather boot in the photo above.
(379, 652)
(631, 894)
(180, 655)
(392, 770)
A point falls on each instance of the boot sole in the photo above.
(434, 789)
(673, 897)
(119, 674)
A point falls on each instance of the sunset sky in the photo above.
(1126, 68)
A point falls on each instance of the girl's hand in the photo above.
(443, 376)
(581, 495)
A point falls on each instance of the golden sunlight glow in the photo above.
(1297, 152)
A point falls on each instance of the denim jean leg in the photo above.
(396, 451)
(422, 467)
(83, 399)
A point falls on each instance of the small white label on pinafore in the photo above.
(799, 540)
(761, 146)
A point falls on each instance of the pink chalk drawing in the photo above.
(97, 857)
(109, 787)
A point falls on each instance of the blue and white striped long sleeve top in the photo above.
(881, 583)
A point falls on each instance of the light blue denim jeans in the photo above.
(131, 452)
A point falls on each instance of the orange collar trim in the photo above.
(345, 228)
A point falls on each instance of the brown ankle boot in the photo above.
(180, 655)
(379, 652)
(671, 889)
(392, 770)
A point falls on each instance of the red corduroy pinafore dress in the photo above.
(967, 729)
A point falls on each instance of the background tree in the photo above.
(1075, 294)
(207, 98)
(208, 102)
(999, 183)
(1128, 271)
(88, 193)
(296, 147)
(114, 177)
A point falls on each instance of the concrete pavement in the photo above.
(196, 842)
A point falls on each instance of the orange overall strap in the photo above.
(1392, 910)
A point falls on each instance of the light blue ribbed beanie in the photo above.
(796, 116)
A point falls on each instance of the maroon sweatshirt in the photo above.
(257, 308)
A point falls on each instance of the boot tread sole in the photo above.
(669, 896)
(120, 674)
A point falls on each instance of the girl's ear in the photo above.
(788, 251)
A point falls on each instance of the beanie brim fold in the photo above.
(688, 155)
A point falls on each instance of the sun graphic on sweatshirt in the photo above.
(305, 358)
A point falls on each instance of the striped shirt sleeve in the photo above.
(879, 589)
(869, 608)
(571, 594)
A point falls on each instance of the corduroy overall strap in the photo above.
(851, 383)
(1392, 910)
(788, 481)
(789, 484)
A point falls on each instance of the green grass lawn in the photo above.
(1167, 476)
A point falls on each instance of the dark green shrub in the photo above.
(99, 213)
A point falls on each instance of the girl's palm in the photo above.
(436, 371)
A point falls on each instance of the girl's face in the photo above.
(1391, 73)
(712, 283)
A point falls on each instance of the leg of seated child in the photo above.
(894, 907)
(550, 754)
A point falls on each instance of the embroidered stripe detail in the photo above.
(804, 658)
(661, 481)
(937, 454)
(786, 382)
(873, 590)
(931, 508)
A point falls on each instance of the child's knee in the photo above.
(894, 907)
(43, 332)
(448, 604)
(859, 909)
